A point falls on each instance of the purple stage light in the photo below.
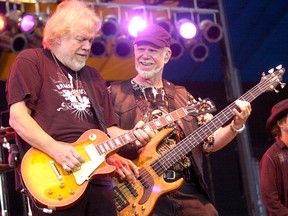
(187, 29)
(28, 22)
(136, 24)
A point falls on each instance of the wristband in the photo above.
(237, 130)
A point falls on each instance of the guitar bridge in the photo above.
(120, 200)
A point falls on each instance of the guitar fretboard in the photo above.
(165, 161)
(129, 137)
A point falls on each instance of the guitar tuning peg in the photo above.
(279, 67)
(271, 70)
(199, 99)
(275, 90)
(282, 85)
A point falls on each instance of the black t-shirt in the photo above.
(36, 79)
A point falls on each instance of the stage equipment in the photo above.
(136, 24)
(177, 50)
(187, 29)
(28, 22)
(211, 31)
(199, 51)
(3, 22)
(99, 47)
(15, 43)
(123, 47)
(110, 26)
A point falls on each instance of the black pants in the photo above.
(180, 204)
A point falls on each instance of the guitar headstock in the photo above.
(200, 107)
(272, 79)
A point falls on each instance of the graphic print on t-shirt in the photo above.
(75, 100)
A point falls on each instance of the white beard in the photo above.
(147, 74)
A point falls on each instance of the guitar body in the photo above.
(51, 185)
(140, 198)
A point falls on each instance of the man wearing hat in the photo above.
(274, 163)
(147, 96)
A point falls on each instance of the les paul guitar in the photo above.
(53, 188)
(139, 199)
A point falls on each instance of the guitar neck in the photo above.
(168, 159)
(128, 137)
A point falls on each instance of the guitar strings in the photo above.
(254, 94)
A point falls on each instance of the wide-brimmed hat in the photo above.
(154, 34)
(277, 112)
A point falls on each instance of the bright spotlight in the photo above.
(135, 25)
(123, 47)
(199, 52)
(211, 31)
(177, 50)
(186, 28)
(99, 47)
(27, 23)
(3, 22)
(110, 26)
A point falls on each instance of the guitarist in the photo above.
(54, 98)
(146, 96)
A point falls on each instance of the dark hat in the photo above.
(155, 35)
(277, 112)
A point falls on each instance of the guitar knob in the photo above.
(50, 191)
(62, 185)
(72, 192)
(143, 208)
(134, 205)
(59, 197)
(136, 213)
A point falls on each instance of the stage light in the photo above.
(211, 31)
(177, 50)
(27, 23)
(186, 28)
(165, 23)
(123, 47)
(14, 43)
(110, 26)
(3, 22)
(135, 25)
(199, 52)
(99, 47)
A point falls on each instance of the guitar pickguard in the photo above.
(89, 167)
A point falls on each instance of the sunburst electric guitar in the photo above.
(139, 198)
(53, 188)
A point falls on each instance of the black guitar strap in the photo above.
(170, 91)
(94, 102)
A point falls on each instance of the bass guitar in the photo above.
(139, 198)
(55, 189)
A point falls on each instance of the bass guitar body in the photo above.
(140, 198)
(51, 185)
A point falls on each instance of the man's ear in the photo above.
(167, 56)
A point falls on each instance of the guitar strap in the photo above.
(94, 102)
(170, 91)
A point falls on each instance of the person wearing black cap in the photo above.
(147, 96)
(274, 162)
